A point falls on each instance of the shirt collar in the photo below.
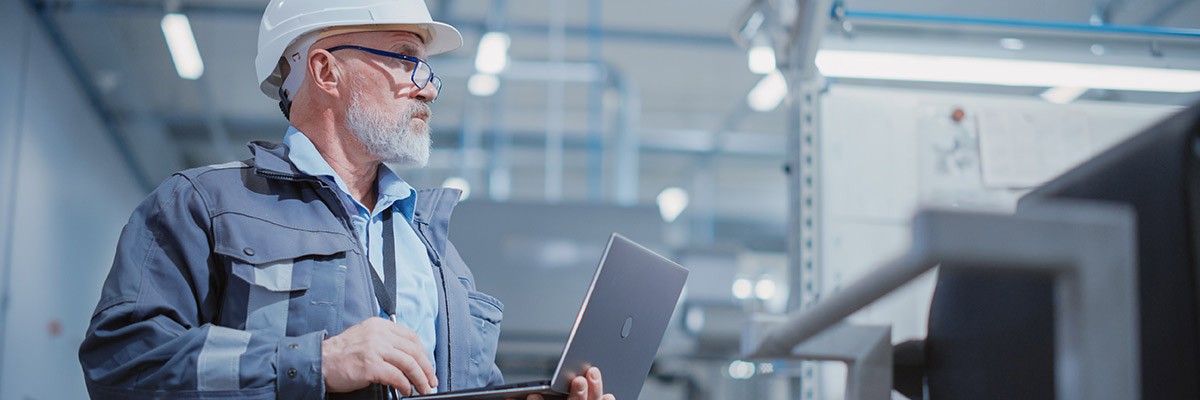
(307, 159)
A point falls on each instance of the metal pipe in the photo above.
(595, 147)
(471, 142)
(628, 163)
(500, 171)
(704, 194)
(1139, 30)
(555, 104)
(1088, 247)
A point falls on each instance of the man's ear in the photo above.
(324, 71)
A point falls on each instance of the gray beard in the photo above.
(389, 136)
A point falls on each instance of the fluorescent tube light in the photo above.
(1063, 94)
(988, 71)
(492, 56)
(1012, 43)
(761, 59)
(768, 93)
(182, 44)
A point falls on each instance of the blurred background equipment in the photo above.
(777, 148)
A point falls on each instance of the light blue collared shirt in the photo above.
(416, 291)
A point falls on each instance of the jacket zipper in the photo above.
(437, 261)
(276, 175)
(437, 258)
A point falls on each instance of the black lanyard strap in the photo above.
(385, 289)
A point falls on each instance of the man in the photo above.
(311, 269)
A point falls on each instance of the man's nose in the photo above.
(428, 94)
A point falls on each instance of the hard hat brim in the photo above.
(441, 38)
(444, 38)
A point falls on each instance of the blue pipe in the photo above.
(1018, 23)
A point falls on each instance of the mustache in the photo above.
(419, 108)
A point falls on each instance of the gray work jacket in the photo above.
(227, 278)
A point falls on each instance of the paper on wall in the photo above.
(1022, 148)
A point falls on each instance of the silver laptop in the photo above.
(619, 327)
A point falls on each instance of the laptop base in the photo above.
(517, 391)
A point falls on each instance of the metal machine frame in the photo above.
(1088, 247)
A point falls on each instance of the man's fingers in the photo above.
(595, 384)
(579, 388)
(534, 397)
(410, 367)
(392, 355)
(410, 343)
(608, 397)
(417, 352)
(391, 376)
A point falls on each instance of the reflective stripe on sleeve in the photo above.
(217, 367)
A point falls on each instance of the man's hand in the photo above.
(589, 388)
(377, 351)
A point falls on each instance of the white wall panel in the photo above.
(73, 194)
(12, 25)
(887, 152)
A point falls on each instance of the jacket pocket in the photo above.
(264, 253)
(284, 280)
(486, 314)
(258, 241)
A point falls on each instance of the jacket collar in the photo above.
(272, 158)
(433, 207)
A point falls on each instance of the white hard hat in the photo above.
(291, 27)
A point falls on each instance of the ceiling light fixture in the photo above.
(182, 44)
(1012, 43)
(989, 71)
(742, 288)
(761, 59)
(768, 93)
(1063, 94)
(764, 289)
(492, 56)
(671, 202)
(483, 85)
(459, 183)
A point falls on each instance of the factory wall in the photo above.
(65, 193)
(911, 154)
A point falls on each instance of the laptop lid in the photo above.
(623, 318)
(618, 329)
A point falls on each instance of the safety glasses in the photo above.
(422, 74)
